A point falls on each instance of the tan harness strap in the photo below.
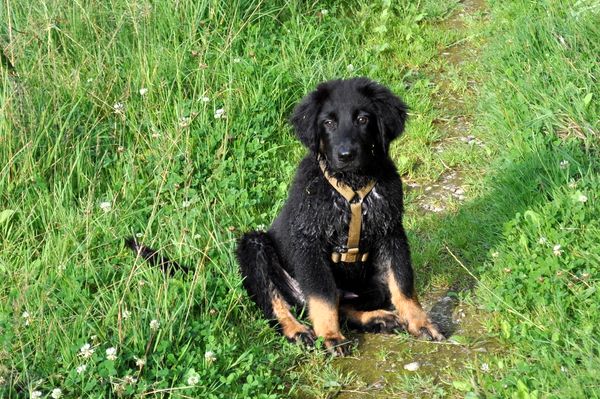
(355, 199)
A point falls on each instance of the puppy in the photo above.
(338, 247)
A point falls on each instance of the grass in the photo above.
(86, 159)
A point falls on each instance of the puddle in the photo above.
(381, 362)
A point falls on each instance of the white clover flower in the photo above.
(582, 198)
(186, 204)
(154, 325)
(140, 362)
(26, 316)
(563, 369)
(557, 250)
(204, 99)
(193, 379)
(237, 60)
(130, 380)
(81, 369)
(324, 12)
(119, 108)
(543, 240)
(2, 380)
(350, 68)
(138, 235)
(220, 113)
(210, 356)
(36, 394)
(56, 393)
(143, 91)
(485, 367)
(125, 314)
(495, 254)
(185, 121)
(564, 164)
(106, 206)
(155, 135)
(86, 351)
(111, 353)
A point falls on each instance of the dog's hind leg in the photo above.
(270, 286)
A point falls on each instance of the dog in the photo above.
(338, 248)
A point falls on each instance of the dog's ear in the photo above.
(304, 118)
(391, 113)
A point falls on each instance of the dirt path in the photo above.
(389, 365)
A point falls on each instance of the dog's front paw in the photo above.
(338, 346)
(419, 325)
(382, 321)
(301, 335)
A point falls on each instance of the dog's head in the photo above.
(351, 122)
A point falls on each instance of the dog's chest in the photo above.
(374, 221)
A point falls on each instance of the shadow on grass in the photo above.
(474, 230)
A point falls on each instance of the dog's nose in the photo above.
(346, 154)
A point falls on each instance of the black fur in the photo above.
(314, 221)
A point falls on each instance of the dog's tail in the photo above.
(154, 258)
(260, 265)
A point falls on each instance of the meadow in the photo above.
(168, 121)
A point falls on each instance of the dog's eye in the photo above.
(362, 120)
(329, 123)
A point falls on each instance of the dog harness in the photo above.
(355, 199)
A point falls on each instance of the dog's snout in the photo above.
(346, 154)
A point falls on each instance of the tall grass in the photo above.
(110, 128)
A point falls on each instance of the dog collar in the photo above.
(355, 199)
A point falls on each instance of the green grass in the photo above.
(188, 183)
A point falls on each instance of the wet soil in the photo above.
(383, 361)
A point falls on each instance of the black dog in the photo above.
(338, 246)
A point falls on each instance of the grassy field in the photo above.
(167, 120)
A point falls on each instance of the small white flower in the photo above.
(138, 235)
(563, 369)
(193, 379)
(582, 198)
(485, 367)
(143, 91)
(495, 254)
(154, 325)
(106, 206)
(140, 362)
(185, 121)
(86, 351)
(350, 68)
(36, 394)
(543, 240)
(155, 135)
(81, 369)
(564, 164)
(26, 316)
(126, 314)
(572, 183)
(2, 380)
(186, 204)
(111, 353)
(237, 60)
(324, 12)
(220, 113)
(56, 393)
(119, 108)
(204, 99)
(129, 380)
(557, 250)
(210, 356)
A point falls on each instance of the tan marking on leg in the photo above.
(290, 326)
(365, 317)
(324, 318)
(410, 310)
